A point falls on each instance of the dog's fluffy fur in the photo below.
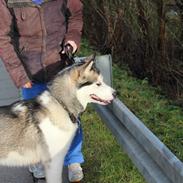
(41, 130)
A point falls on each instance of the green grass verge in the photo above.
(105, 161)
(159, 114)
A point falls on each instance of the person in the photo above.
(31, 35)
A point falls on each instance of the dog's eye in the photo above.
(98, 84)
(85, 84)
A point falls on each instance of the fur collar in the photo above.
(22, 3)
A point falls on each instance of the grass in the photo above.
(159, 114)
(105, 161)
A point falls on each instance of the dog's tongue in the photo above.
(95, 97)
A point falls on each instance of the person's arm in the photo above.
(8, 54)
(75, 22)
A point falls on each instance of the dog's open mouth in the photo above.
(99, 100)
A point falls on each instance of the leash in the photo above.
(69, 54)
(69, 57)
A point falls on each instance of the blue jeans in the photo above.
(74, 154)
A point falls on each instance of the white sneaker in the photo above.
(37, 170)
(75, 172)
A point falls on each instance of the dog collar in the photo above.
(73, 118)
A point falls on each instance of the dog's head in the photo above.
(90, 85)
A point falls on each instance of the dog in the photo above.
(42, 129)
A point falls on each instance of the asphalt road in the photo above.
(22, 175)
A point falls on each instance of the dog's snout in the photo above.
(114, 93)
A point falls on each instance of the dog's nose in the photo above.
(114, 94)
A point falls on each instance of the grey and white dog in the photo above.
(41, 130)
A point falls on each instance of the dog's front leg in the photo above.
(54, 168)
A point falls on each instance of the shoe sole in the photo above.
(38, 180)
(76, 181)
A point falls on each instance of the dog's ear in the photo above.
(90, 58)
(89, 62)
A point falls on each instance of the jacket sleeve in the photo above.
(7, 51)
(75, 21)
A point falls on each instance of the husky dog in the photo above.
(41, 130)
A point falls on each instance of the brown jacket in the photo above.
(35, 45)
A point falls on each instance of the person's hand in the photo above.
(73, 44)
(28, 85)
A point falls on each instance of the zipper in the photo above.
(43, 46)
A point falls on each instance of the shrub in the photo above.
(145, 35)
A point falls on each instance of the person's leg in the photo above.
(30, 93)
(74, 158)
(74, 154)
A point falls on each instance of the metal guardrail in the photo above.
(153, 159)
